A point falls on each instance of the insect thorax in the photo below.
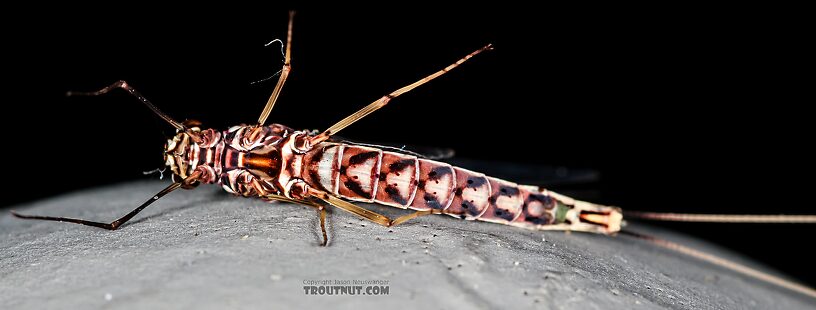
(245, 159)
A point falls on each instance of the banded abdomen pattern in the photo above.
(366, 174)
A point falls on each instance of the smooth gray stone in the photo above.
(203, 249)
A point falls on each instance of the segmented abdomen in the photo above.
(371, 175)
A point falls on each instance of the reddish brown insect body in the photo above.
(275, 160)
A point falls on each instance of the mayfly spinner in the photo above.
(277, 163)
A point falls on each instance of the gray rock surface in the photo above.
(207, 250)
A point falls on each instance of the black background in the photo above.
(680, 109)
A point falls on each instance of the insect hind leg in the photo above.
(407, 217)
(384, 100)
(368, 214)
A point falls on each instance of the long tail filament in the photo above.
(721, 218)
(748, 271)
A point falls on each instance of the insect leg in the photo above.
(283, 74)
(124, 85)
(404, 218)
(320, 210)
(368, 214)
(376, 105)
(112, 225)
(297, 201)
(353, 209)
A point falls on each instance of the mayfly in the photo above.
(277, 163)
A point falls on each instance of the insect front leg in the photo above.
(124, 85)
(186, 183)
